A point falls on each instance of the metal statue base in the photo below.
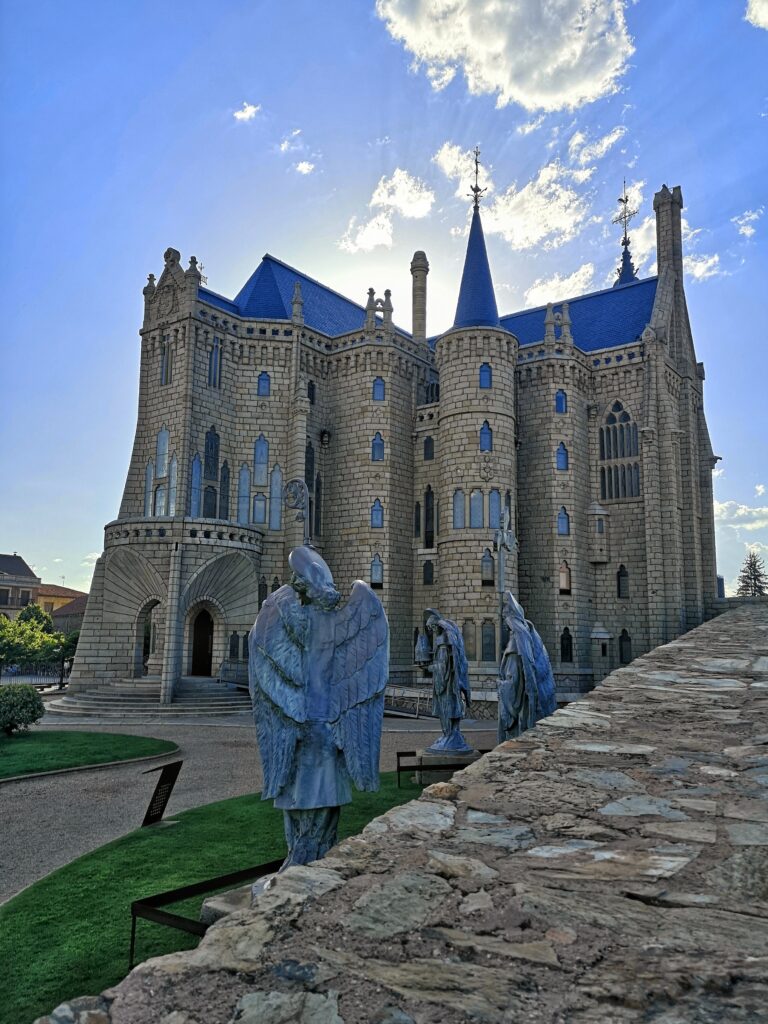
(428, 771)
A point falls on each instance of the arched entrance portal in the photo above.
(202, 644)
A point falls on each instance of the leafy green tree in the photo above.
(34, 613)
(753, 579)
(24, 642)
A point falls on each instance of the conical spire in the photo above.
(477, 302)
(626, 272)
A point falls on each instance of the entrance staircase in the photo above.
(138, 700)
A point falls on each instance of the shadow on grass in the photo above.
(68, 935)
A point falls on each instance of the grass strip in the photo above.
(68, 934)
(52, 750)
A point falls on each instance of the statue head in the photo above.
(513, 612)
(312, 579)
(432, 620)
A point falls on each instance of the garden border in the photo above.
(91, 767)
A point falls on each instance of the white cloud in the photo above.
(759, 490)
(58, 559)
(557, 288)
(366, 235)
(642, 238)
(247, 112)
(717, 473)
(757, 13)
(404, 194)
(530, 126)
(291, 141)
(458, 165)
(545, 212)
(584, 152)
(741, 517)
(551, 56)
(745, 221)
(91, 559)
(304, 167)
(699, 268)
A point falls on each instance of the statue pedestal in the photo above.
(429, 770)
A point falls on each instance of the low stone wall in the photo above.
(609, 866)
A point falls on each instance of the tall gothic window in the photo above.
(275, 584)
(508, 506)
(161, 452)
(276, 498)
(619, 450)
(417, 519)
(487, 576)
(476, 510)
(311, 392)
(494, 509)
(243, 494)
(260, 461)
(263, 385)
(195, 486)
(488, 636)
(166, 366)
(214, 365)
(318, 506)
(149, 486)
(377, 515)
(470, 641)
(429, 449)
(428, 573)
(625, 647)
(563, 522)
(173, 478)
(459, 509)
(262, 590)
(565, 578)
(260, 508)
(561, 456)
(378, 391)
(622, 582)
(224, 492)
(211, 466)
(566, 645)
(561, 402)
(486, 437)
(429, 518)
(377, 572)
(209, 503)
(309, 464)
(161, 500)
(377, 448)
(486, 376)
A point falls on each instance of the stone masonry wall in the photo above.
(608, 866)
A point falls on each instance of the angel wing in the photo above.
(544, 679)
(359, 677)
(275, 680)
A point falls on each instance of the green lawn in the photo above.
(47, 750)
(68, 935)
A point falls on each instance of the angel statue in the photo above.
(526, 685)
(317, 676)
(450, 682)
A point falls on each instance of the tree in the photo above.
(20, 707)
(753, 579)
(24, 642)
(34, 613)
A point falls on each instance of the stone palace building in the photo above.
(583, 420)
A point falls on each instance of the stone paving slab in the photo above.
(611, 865)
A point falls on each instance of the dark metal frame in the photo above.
(148, 907)
(433, 766)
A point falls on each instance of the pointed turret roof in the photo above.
(477, 302)
(626, 272)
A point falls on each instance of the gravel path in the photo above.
(49, 821)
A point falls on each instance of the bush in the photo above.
(20, 707)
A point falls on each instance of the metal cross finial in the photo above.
(476, 191)
(625, 214)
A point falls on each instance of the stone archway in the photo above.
(206, 636)
(202, 644)
(146, 640)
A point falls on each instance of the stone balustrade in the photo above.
(611, 865)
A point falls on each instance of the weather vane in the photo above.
(477, 192)
(625, 214)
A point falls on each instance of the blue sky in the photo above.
(119, 137)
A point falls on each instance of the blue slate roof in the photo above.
(477, 302)
(268, 295)
(606, 319)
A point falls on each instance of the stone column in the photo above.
(419, 271)
(173, 628)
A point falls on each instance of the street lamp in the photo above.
(504, 540)
(296, 495)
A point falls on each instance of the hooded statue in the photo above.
(317, 675)
(526, 685)
(450, 682)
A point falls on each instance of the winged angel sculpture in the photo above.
(526, 686)
(317, 676)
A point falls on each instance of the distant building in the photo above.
(69, 617)
(584, 420)
(18, 585)
(51, 596)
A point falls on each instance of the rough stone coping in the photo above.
(610, 865)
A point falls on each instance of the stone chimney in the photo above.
(668, 206)
(419, 271)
